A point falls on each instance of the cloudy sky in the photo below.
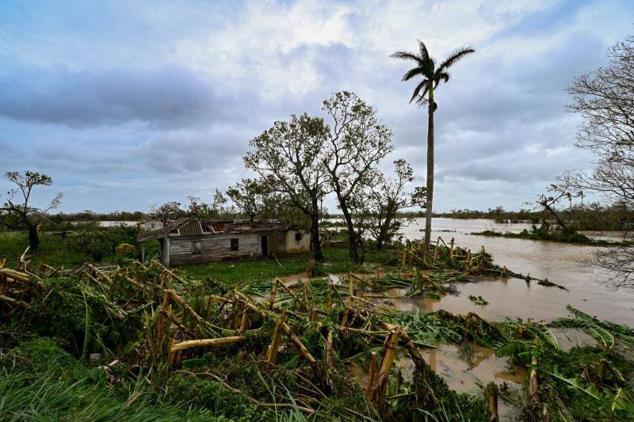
(129, 104)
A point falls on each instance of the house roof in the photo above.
(194, 227)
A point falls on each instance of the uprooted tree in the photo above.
(17, 213)
(289, 157)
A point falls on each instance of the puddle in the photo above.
(464, 369)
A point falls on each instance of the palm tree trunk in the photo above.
(430, 168)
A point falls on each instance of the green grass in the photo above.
(41, 382)
(55, 251)
(232, 273)
(51, 250)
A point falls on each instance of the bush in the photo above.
(101, 243)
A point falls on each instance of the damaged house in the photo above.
(189, 240)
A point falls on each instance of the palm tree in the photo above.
(424, 92)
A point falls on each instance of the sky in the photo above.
(131, 104)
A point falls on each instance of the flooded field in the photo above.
(564, 264)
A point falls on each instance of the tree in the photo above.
(289, 157)
(385, 201)
(250, 196)
(425, 92)
(196, 208)
(218, 208)
(605, 100)
(357, 142)
(19, 214)
(167, 213)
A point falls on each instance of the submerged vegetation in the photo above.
(141, 341)
(545, 232)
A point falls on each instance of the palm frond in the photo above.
(441, 76)
(411, 73)
(421, 98)
(406, 55)
(457, 55)
(424, 85)
(424, 54)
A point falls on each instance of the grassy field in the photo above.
(73, 249)
(234, 273)
(56, 252)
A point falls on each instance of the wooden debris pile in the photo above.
(441, 256)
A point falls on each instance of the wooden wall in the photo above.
(213, 248)
(217, 247)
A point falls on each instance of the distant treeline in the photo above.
(588, 217)
(593, 216)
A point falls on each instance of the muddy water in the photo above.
(565, 264)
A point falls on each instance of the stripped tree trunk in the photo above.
(430, 167)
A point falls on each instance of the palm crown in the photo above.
(426, 67)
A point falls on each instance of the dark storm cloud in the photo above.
(165, 96)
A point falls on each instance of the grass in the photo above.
(41, 382)
(75, 249)
(248, 271)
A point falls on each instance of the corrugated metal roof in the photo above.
(190, 228)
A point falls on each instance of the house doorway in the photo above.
(264, 245)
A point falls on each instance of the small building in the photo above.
(189, 240)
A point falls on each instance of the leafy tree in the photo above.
(250, 196)
(386, 199)
(357, 142)
(290, 159)
(425, 92)
(17, 213)
(167, 213)
(219, 207)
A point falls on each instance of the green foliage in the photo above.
(100, 243)
(68, 248)
(545, 232)
(212, 395)
(39, 381)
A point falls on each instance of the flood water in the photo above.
(561, 263)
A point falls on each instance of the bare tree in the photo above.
(167, 213)
(357, 142)
(290, 159)
(17, 213)
(196, 208)
(605, 99)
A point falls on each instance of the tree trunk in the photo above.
(34, 239)
(315, 242)
(430, 168)
(353, 241)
